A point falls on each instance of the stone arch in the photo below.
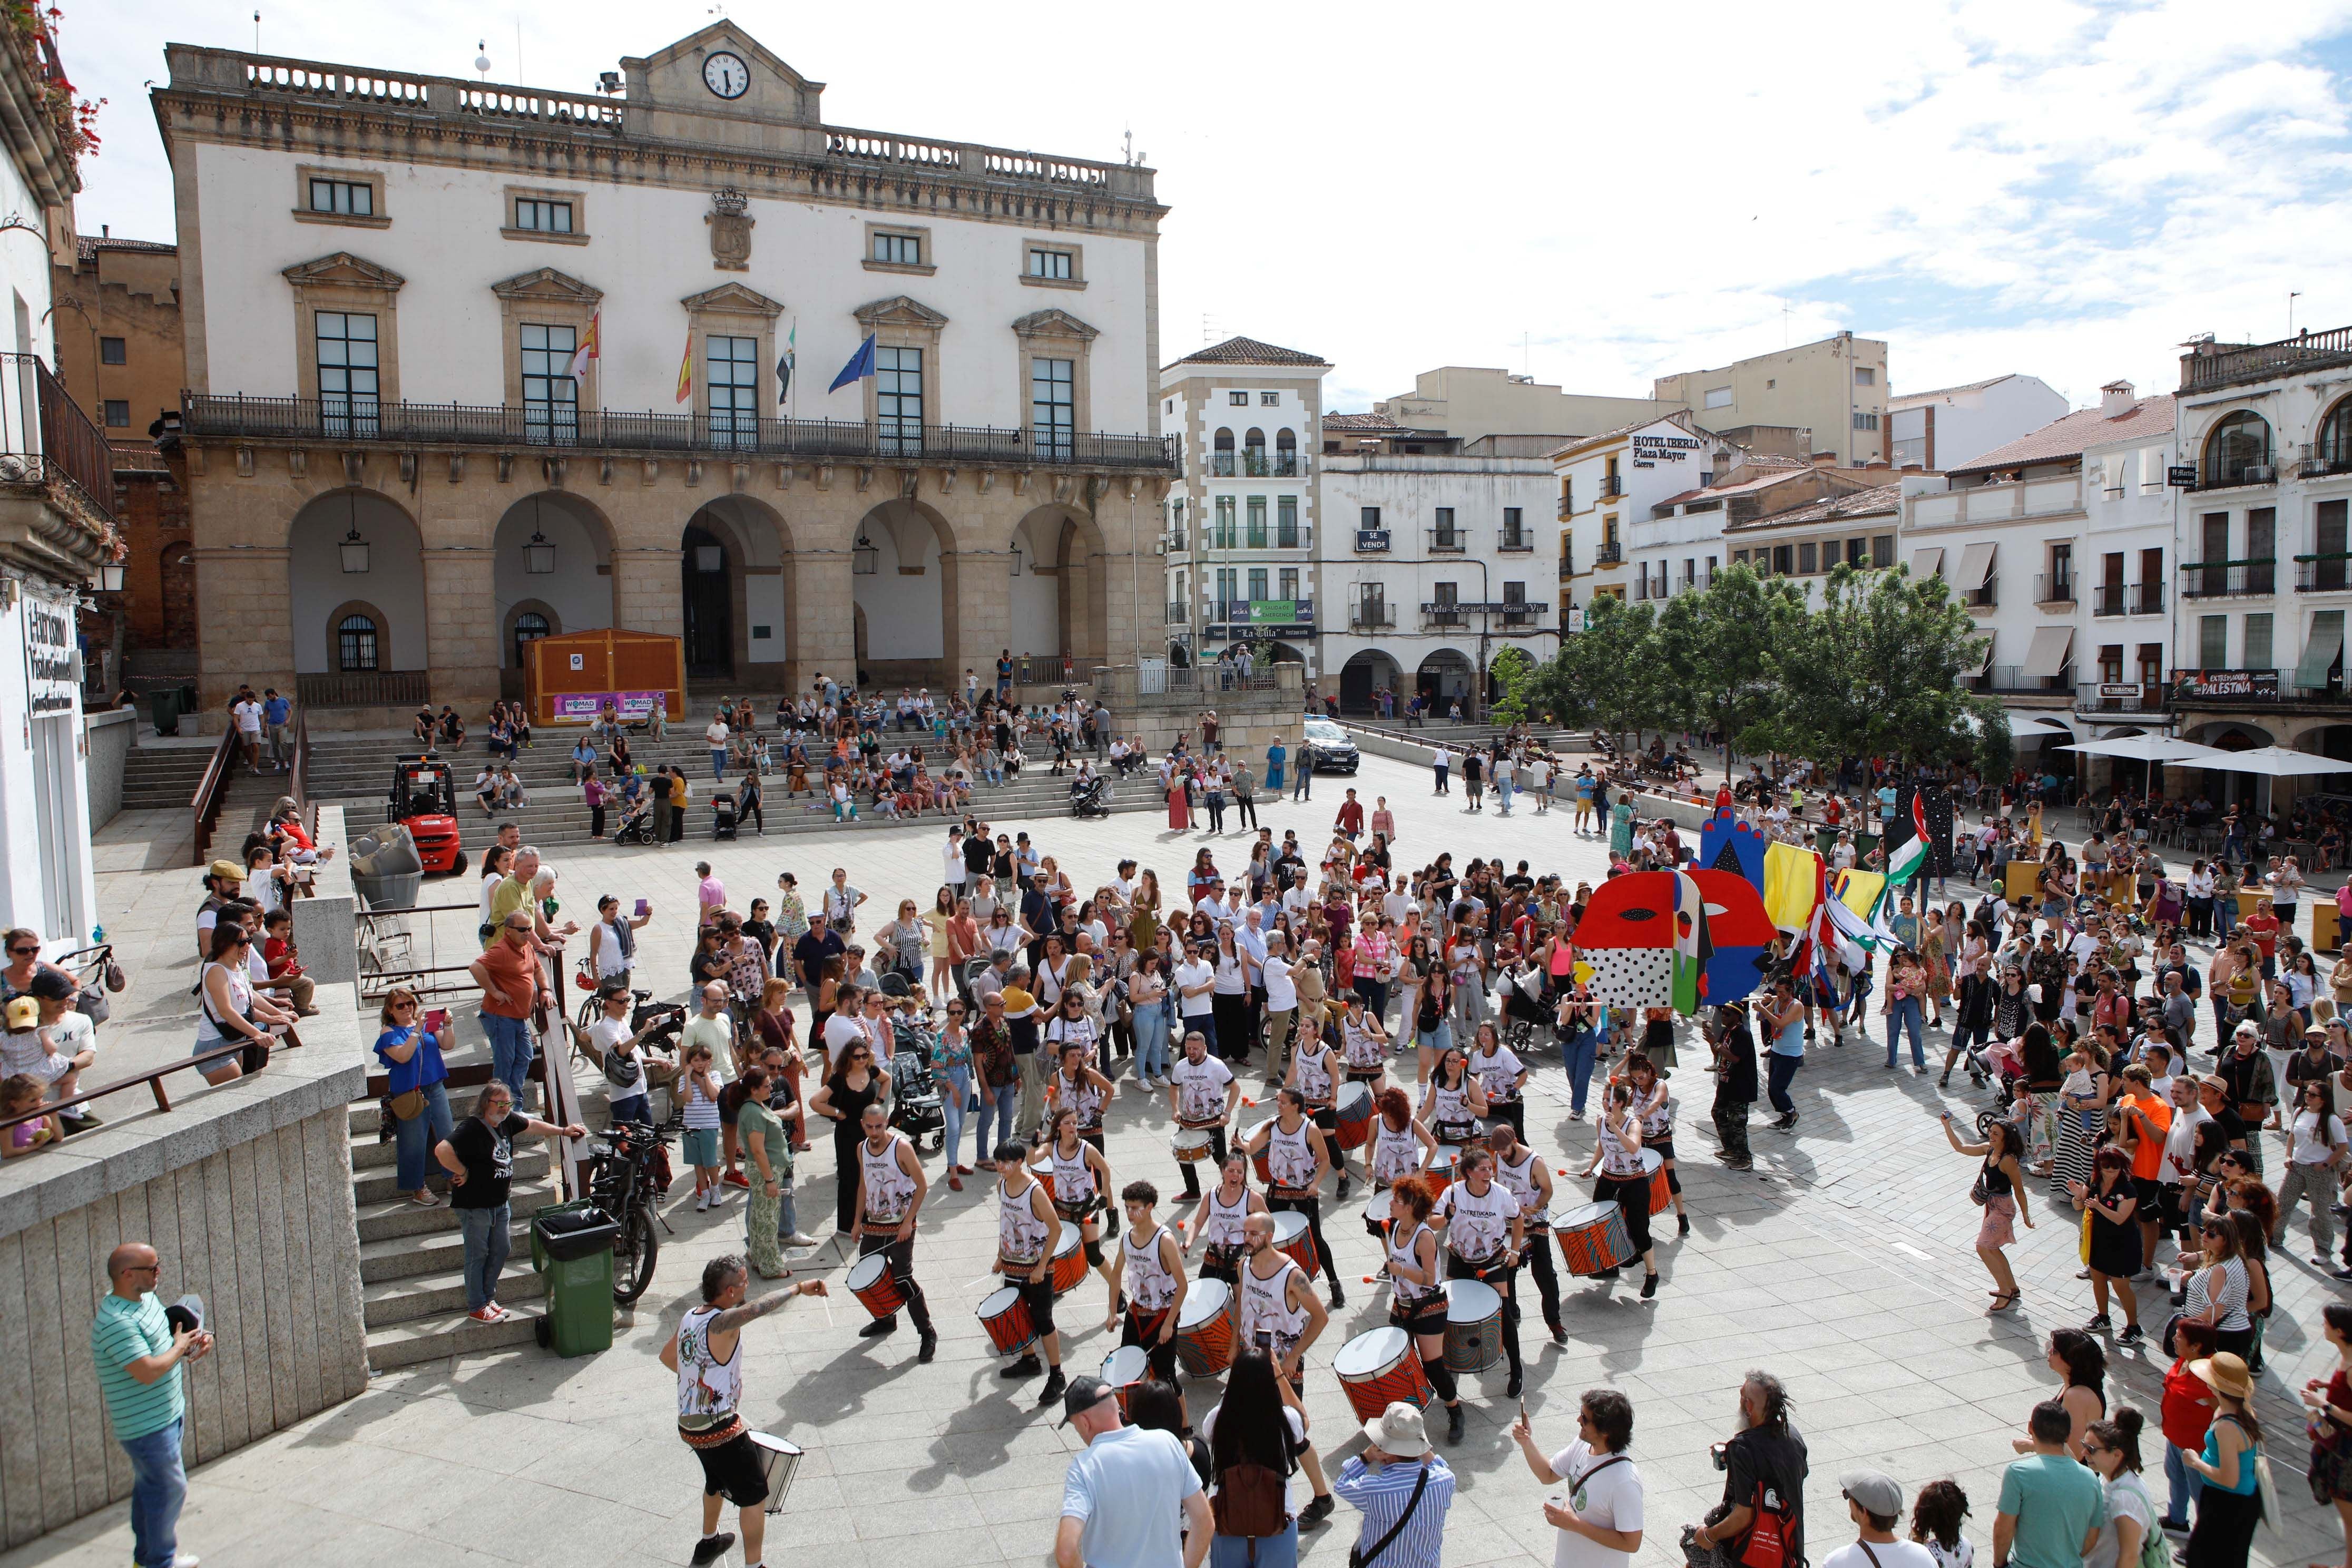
(547, 621)
(392, 587)
(2238, 441)
(761, 601)
(1444, 674)
(370, 658)
(1366, 671)
(912, 599)
(579, 595)
(1062, 542)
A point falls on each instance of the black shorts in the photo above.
(1039, 1300)
(732, 1471)
(1424, 1317)
(2151, 1192)
(1664, 1146)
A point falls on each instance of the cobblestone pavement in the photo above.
(1845, 1263)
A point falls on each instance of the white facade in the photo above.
(2130, 582)
(1954, 425)
(1432, 565)
(1607, 485)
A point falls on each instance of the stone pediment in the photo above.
(899, 312)
(1054, 323)
(733, 298)
(545, 283)
(343, 267)
(673, 75)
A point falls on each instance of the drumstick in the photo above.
(827, 1304)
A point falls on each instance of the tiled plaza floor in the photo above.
(1844, 1264)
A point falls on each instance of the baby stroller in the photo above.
(1090, 797)
(637, 824)
(722, 816)
(917, 1108)
(1524, 1010)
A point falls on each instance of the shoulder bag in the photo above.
(1364, 1556)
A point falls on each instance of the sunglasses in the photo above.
(404, 1006)
(23, 951)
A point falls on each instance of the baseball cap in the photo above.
(51, 986)
(23, 1012)
(1875, 1490)
(1083, 1395)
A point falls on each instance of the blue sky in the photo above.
(2067, 190)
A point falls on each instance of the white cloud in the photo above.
(2063, 189)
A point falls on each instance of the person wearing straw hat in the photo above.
(2230, 1504)
(1402, 1489)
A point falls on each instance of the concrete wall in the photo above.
(110, 737)
(1248, 721)
(245, 1192)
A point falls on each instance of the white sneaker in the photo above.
(701, 1202)
(799, 1238)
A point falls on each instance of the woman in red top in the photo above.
(2262, 925)
(2331, 1423)
(2188, 1410)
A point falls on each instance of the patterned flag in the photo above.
(591, 347)
(786, 365)
(1908, 860)
(686, 370)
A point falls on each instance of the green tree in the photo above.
(1608, 675)
(1716, 646)
(1513, 670)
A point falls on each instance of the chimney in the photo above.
(1914, 468)
(1824, 459)
(2115, 400)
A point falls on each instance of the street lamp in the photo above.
(538, 556)
(864, 560)
(109, 577)
(354, 548)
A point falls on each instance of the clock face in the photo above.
(726, 74)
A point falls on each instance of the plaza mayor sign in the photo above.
(1649, 451)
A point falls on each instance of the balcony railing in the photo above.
(1566, 506)
(2229, 579)
(1448, 540)
(2244, 688)
(1609, 553)
(2325, 573)
(2011, 680)
(2218, 475)
(1567, 566)
(1176, 617)
(2111, 599)
(453, 423)
(2151, 598)
(1445, 617)
(1371, 540)
(1612, 486)
(1522, 617)
(46, 439)
(361, 689)
(1176, 543)
(2117, 697)
(2319, 461)
(1281, 466)
(1221, 465)
(2053, 590)
(2264, 361)
(1370, 618)
(1519, 544)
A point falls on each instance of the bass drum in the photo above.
(1204, 1329)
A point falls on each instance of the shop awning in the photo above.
(2322, 651)
(2047, 657)
(1989, 639)
(1976, 561)
(2030, 726)
(1926, 562)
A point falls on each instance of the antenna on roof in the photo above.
(2292, 296)
(256, 32)
(482, 59)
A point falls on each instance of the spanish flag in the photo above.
(592, 347)
(686, 370)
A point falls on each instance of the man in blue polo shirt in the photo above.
(139, 1354)
(1125, 1497)
(278, 714)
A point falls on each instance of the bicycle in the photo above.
(627, 1174)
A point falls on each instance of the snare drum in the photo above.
(780, 1461)
(1204, 1329)
(1191, 1145)
(869, 1280)
(1354, 1112)
(1474, 1325)
(1005, 1316)
(1379, 1367)
(1594, 1237)
(1654, 1166)
(1123, 1369)
(1259, 1160)
(1440, 1174)
(1296, 1242)
(1069, 1261)
(1378, 1220)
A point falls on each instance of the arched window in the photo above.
(529, 627)
(355, 644)
(1222, 465)
(2238, 452)
(1253, 452)
(1286, 453)
(2334, 446)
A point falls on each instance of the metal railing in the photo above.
(1221, 465)
(2229, 579)
(1521, 543)
(1281, 466)
(2320, 459)
(1984, 597)
(2011, 678)
(2217, 476)
(1176, 543)
(211, 791)
(1566, 505)
(1176, 616)
(2118, 697)
(1523, 618)
(454, 424)
(2111, 599)
(1043, 670)
(2234, 688)
(153, 1080)
(2053, 590)
(1370, 618)
(1609, 553)
(361, 689)
(46, 439)
(1612, 487)
(1567, 566)
(1444, 617)
(2325, 573)
(2264, 361)
(1449, 541)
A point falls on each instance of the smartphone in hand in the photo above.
(644, 909)
(437, 1021)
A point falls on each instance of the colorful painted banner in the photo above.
(579, 707)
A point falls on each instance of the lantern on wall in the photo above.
(1016, 560)
(864, 558)
(354, 548)
(109, 577)
(538, 555)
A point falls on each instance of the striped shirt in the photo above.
(1380, 1496)
(124, 1331)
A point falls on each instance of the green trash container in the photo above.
(1826, 839)
(1863, 843)
(571, 1244)
(164, 708)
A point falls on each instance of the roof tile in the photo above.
(1249, 350)
(2068, 436)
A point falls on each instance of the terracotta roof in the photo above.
(2070, 436)
(1876, 501)
(1775, 474)
(1380, 422)
(1578, 444)
(1249, 350)
(86, 248)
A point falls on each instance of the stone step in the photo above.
(376, 1184)
(426, 1252)
(414, 1343)
(384, 1219)
(425, 1298)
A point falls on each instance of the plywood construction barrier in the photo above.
(574, 676)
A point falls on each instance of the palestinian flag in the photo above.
(1908, 861)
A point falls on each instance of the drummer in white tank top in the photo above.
(1522, 1169)
(1218, 1221)
(1081, 1180)
(1149, 1266)
(891, 1186)
(1027, 1232)
(1617, 1157)
(1315, 1074)
(1279, 1310)
(1415, 1266)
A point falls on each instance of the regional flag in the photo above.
(1906, 861)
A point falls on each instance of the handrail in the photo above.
(153, 1078)
(298, 779)
(211, 791)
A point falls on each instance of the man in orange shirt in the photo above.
(2144, 1120)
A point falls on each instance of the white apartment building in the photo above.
(1431, 565)
(1470, 402)
(1952, 425)
(1806, 542)
(1603, 484)
(1238, 540)
(1688, 536)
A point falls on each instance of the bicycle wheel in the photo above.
(633, 1252)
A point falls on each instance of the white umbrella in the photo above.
(2271, 763)
(2151, 749)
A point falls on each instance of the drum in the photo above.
(1440, 1174)
(1264, 1166)
(1377, 1220)
(1378, 1368)
(1069, 1261)
(1205, 1329)
(1654, 1165)
(1123, 1369)
(1005, 1316)
(1594, 1237)
(1354, 1111)
(1191, 1145)
(1474, 1325)
(869, 1280)
(1296, 1242)
(780, 1461)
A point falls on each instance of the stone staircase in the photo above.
(411, 1260)
(357, 773)
(163, 777)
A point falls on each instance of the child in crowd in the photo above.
(19, 1094)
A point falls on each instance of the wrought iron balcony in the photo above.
(2216, 475)
(2325, 573)
(1566, 506)
(1609, 553)
(1376, 617)
(2229, 579)
(1516, 542)
(1176, 617)
(1444, 617)
(2053, 590)
(1986, 597)
(2118, 697)
(47, 440)
(1448, 540)
(1612, 486)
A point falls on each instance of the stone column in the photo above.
(245, 633)
(820, 617)
(461, 627)
(648, 592)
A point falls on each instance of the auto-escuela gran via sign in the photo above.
(52, 658)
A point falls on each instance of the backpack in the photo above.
(1767, 1542)
(2155, 1551)
(1251, 1500)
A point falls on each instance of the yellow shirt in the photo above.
(677, 790)
(1018, 1003)
(509, 896)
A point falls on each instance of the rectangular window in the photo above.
(1286, 522)
(110, 350)
(2328, 541)
(345, 198)
(1257, 514)
(2111, 662)
(734, 382)
(1257, 582)
(1237, 399)
(1784, 560)
(2214, 642)
(1864, 375)
(541, 217)
(898, 396)
(1857, 554)
(1444, 536)
(550, 398)
(1225, 534)
(1513, 531)
(899, 249)
(348, 385)
(118, 412)
(1517, 593)
(2262, 550)
(1269, 400)
(1369, 518)
(1288, 582)
(1718, 397)
(1054, 405)
(1447, 594)
(1055, 264)
(1229, 589)
(1865, 421)
(1805, 558)
(2258, 642)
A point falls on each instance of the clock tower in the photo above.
(720, 87)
